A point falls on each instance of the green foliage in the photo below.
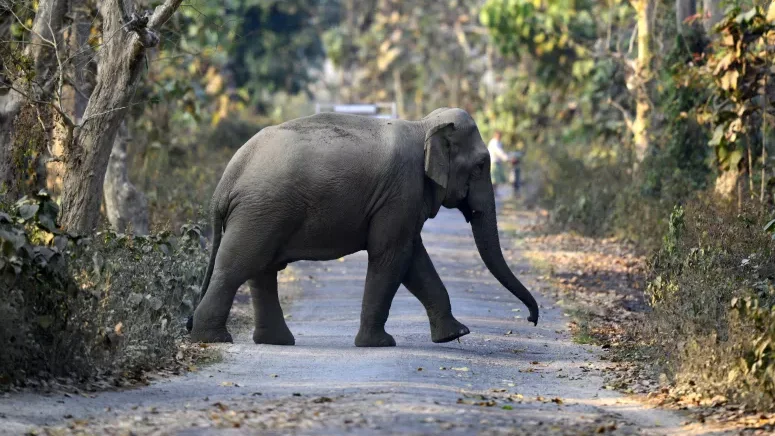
(278, 45)
(107, 303)
(555, 33)
(736, 76)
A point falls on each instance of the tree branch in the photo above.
(625, 114)
(163, 13)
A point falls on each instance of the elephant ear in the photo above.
(437, 155)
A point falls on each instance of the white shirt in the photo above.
(495, 147)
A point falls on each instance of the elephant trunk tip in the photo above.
(533, 316)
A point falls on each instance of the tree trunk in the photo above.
(84, 69)
(125, 206)
(121, 64)
(45, 39)
(80, 72)
(399, 92)
(711, 14)
(727, 183)
(683, 10)
(642, 73)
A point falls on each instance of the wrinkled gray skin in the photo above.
(328, 185)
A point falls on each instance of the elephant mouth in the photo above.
(465, 208)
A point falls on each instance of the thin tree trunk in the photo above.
(711, 14)
(84, 68)
(750, 171)
(642, 73)
(399, 92)
(125, 206)
(683, 10)
(764, 142)
(121, 64)
(727, 183)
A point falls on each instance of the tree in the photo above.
(641, 79)
(29, 77)
(389, 50)
(125, 206)
(87, 143)
(120, 66)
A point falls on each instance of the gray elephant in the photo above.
(328, 185)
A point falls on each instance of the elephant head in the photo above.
(458, 164)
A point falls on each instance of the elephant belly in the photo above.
(323, 242)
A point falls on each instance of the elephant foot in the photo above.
(374, 339)
(447, 330)
(211, 335)
(273, 336)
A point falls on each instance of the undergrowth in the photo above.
(80, 307)
(712, 294)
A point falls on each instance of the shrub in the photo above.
(713, 299)
(111, 303)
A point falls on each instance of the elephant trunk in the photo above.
(485, 229)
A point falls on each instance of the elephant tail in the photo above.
(217, 232)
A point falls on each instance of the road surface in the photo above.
(506, 377)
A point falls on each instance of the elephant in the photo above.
(328, 185)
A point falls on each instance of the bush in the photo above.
(713, 299)
(111, 304)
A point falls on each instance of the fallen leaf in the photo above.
(322, 400)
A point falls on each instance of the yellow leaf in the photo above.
(771, 12)
(729, 81)
(384, 46)
(384, 61)
(724, 63)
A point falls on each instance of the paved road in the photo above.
(505, 377)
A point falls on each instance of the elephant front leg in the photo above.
(270, 323)
(423, 282)
(383, 278)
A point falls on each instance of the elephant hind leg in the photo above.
(239, 259)
(270, 323)
(210, 316)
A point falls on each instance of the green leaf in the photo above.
(746, 16)
(718, 136)
(734, 158)
(770, 226)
